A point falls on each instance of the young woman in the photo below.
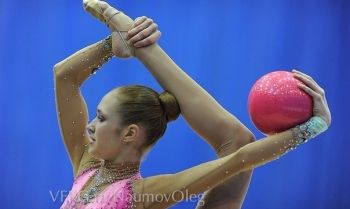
(130, 119)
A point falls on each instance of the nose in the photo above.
(90, 129)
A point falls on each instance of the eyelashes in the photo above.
(100, 118)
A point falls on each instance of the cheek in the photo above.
(105, 132)
(108, 141)
(108, 149)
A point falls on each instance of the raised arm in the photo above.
(72, 112)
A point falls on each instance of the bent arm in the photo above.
(207, 175)
(205, 116)
(72, 112)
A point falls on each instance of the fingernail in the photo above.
(136, 45)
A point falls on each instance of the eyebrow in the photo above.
(99, 111)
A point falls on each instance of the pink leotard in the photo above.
(118, 195)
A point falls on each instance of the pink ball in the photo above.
(276, 104)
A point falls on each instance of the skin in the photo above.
(236, 157)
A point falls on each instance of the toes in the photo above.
(95, 8)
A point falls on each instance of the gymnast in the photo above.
(105, 153)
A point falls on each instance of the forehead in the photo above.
(108, 103)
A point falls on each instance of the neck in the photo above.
(126, 156)
(113, 172)
(119, 166)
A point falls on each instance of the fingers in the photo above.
(309, 86)
(308, 81)
(149, 40)
(148, 30)
(139, 25)
(143, 32)
(134, 28)
(309, 91)
(320, 104)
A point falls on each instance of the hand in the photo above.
(144, 32)
(320, 106)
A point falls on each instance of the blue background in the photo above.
(224, 45)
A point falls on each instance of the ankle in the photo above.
(120, 47)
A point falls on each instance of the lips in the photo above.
(92, 139)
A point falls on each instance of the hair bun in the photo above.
(170, 105)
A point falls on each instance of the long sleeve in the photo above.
(72, 112)
(80, 65)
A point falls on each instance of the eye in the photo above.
(100, 118)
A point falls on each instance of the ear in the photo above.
(130, 133)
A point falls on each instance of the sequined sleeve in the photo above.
(71, 108)
(86, 61)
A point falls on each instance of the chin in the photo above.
(95, 153)
(102, 152)
(92, 151)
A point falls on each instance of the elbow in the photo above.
(242, 158)
(57, 70)
(239, 161)
(246, 159)
(63, 75)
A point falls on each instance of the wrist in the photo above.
(107, 47)
(308, 130)
(105, 53)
